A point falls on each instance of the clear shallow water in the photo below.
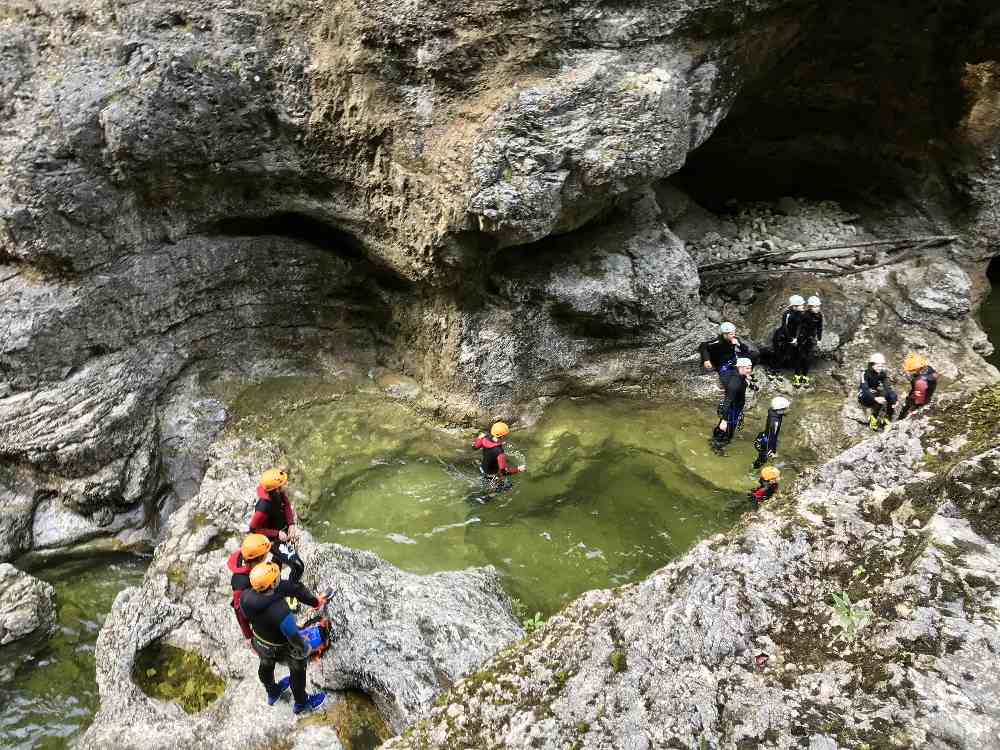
(54, 697)
(615, 489)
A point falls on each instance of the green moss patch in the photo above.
(173, 674)
(356, 719)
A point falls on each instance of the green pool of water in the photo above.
(54, 697)
(615, 488)
(989, 317)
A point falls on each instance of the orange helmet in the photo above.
(770, 473)
(254, 546)
(264, 576)
(274, 479)
(914, 362)
(499, 429)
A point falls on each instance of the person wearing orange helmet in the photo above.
(253, 551)
(767, 485)
(494, 468)
(274, 518)
(923, 382)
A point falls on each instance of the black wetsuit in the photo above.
(767, 440)
(722, 353)
(276, 636)
(763, 492)
(730, 409)
(273, 514)
(789, 330)
(876, 384)
(922, 387)
(810, 331)
(493, 466)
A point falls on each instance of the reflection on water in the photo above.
(54, 697)
(615, 489)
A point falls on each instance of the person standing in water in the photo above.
(720, 354)
(767, 485)
(493, 466)
(923, 382)
(767, 439)
(875, 392)
(732, 404)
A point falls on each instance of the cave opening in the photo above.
(862, 110)
(989, 310)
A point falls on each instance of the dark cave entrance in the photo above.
(989, 311)
(862, 110)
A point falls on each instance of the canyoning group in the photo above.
(264, 603)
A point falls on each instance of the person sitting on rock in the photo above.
(767, 439)
(496, 473)
(923, 382)
(785, 338)
(875, 392)
(720, 354)
(767, 485)
(274, 518)
(810, 333)
(732, 404)
(275, 634)
(253, 551)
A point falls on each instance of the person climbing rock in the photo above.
(275, 634)
(252, 552)
(766, 487)
(720, 354)
(493, 466)
(923, 382)
(810, 333)
(785, 338)
(767, 439)
(732, 404)
(875, 392)
(274, 518)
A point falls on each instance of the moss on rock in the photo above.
(173, 674)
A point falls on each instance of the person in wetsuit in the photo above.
(252, 552)
(493, 466)
(767, 439)
(923, 382)
(274, 518)
(875, 392)
(810, 332)
(767, 486)
(720, 354)
(732, 404)
(275, 634)
(785, 339)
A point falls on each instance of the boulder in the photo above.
(27, 617)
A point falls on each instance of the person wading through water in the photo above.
(493, 466)
(720, 354)
(875, 392)
(732, 404)
(923, 382)
(276, 636)
(766, 442)
(767, 485)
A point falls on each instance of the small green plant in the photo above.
(858, 571)
(531, 624)
(850, 617)
(618, 661)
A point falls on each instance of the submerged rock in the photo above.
(742, 642)
(398, 637)
(27, 617)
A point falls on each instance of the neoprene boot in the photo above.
(313, 702)
(282, 684)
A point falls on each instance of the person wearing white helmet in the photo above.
(766, 442)
(810, 332)
(875, 392)
(786, 335)
(732, 404)
(720, 354)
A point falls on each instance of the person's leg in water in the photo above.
(721, 438)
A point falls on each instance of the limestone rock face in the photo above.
(27, 617)
(740, 642)
(399, 637)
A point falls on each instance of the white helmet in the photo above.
(744, 362)
(814, 301)
(796, 299)
(727, 327)
(876, 359)
(780, 403)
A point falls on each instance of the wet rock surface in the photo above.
(742, 643)
(399, 637)
(27, 617)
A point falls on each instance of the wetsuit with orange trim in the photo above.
(493, 466)
(240, 582)
(273, 514)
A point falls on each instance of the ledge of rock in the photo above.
(27, 617)
(741, 644)
(399, 637)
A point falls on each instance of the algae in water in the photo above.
(173, 674)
